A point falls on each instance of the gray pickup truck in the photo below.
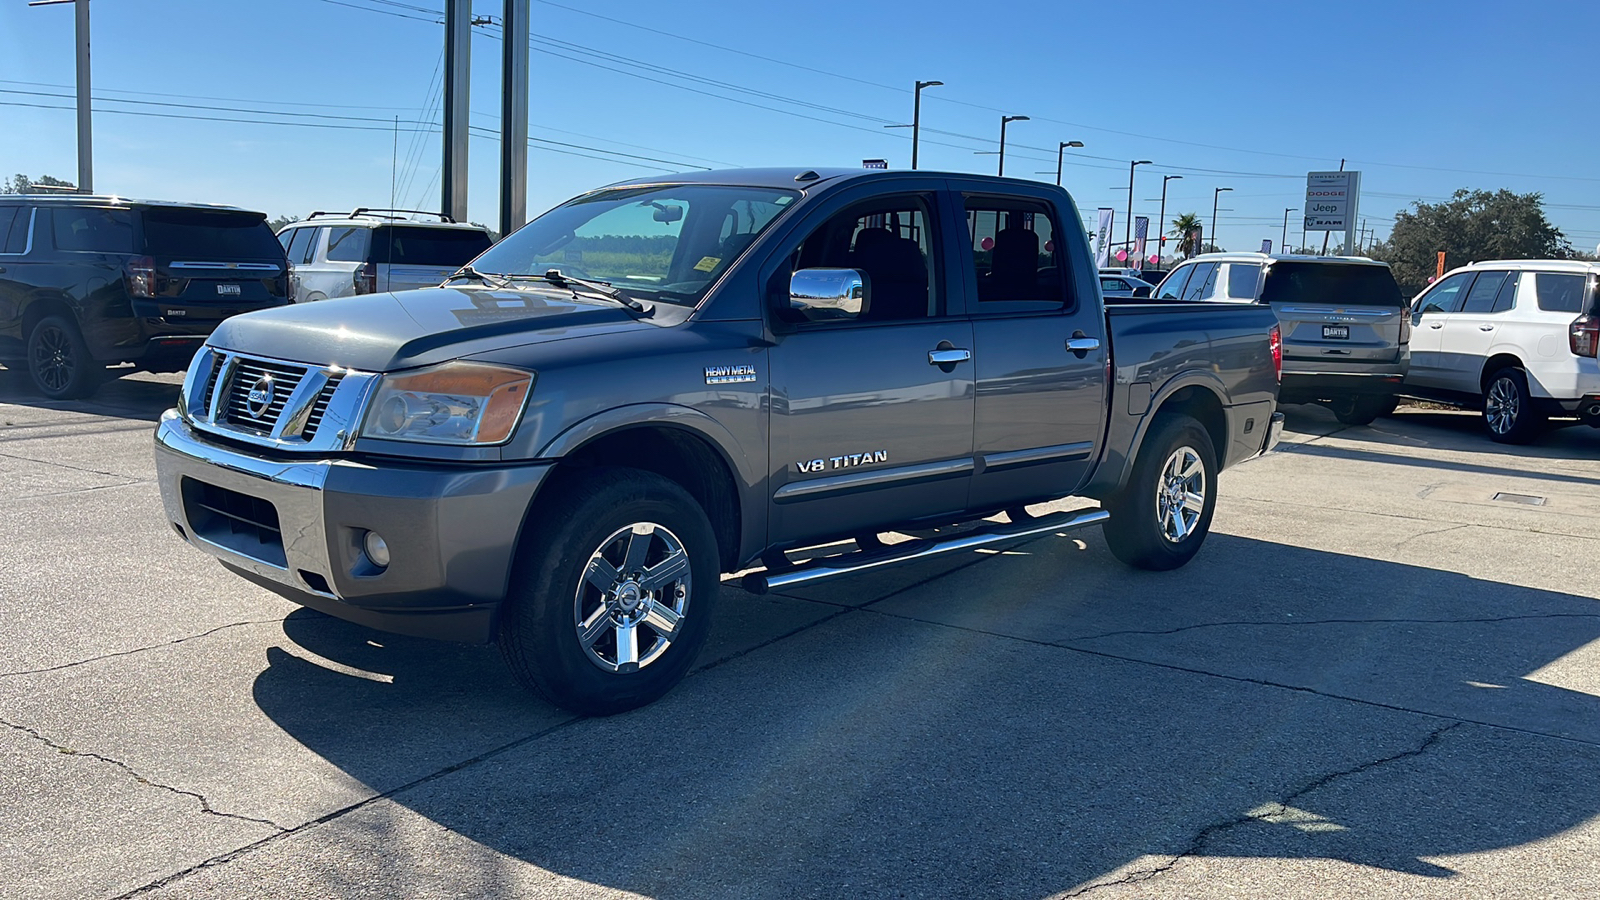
(661, 381)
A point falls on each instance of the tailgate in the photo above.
(1331, 309)
(219, 283)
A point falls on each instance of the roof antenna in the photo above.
(807, 175)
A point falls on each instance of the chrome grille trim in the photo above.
(314, 409)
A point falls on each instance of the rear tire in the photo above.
(1508, 410)
(1361, 410)
(1162, 515)
(612, 593)
(59, 360)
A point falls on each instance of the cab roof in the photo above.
(1245, 256)
(65, 199)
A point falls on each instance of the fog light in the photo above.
(377, 549)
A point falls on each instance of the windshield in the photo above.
(411, 245)
(213, 235)
(662, 242)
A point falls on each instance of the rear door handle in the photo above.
(1435, 324)
(1480, 327)
(1083, 344)
(948, 357)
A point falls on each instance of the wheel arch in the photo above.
(1494, 364)
(1195, 393)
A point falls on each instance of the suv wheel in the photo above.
(1163, 514)
(59, 360)
(1508, 408)
(612, 593)
(1361, 410)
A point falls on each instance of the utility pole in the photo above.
(85, 109)
(1214, 195)
(457, 75)
(1127, 226)
(514, 116)
(1005, 120)
(916, 118)
(1161, 244)
(1283, 244)
(1061, 155)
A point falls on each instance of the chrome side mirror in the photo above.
(830, 293)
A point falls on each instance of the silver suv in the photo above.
(372, 250)
(1346, 328)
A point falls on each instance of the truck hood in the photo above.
(385, 332)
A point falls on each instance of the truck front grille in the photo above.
(239, 522)
(249, 374)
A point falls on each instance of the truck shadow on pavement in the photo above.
(1036, 722)
(130, 397)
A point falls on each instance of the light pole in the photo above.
(85, 120)
(1161, 221)
(1127, 226)
(1061, 155)
(1283, 243)
(1214, 195)
(1005, 120)
(916, 118)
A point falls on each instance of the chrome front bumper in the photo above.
(1274, 433)
(452, 530)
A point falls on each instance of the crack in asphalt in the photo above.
(115, 654)
(99, 487)
(1403, 541)
(1487, 620)
(1430, 519)
(87, 432)
(62, 465)
(1198, 844)
(205, 805)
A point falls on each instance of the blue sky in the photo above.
(1423, 98)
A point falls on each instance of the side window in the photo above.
(1014, 253)
(348, 244)
(891, 242)
(1446, 295)
(1480, 297)
(1201, 282)
(300, 244)
(1172, 286)
(1242, 280)
(1507, 297)
(1559, 293)
(13, 219)
(93, 230)
(285, 236)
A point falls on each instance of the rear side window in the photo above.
(348, 244)
(1242, 278)
(413, 246)
(300, 245)
(1480, 297)
(1201, 283)
(14, 228)
(1559, 292)
(1331, 284)
(1014, 252)
(1507, 297)
(93, 230)
(209, 235)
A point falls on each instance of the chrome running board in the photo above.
(910, 551)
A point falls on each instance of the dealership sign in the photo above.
(1332, 199)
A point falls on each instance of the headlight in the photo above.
(454, 403)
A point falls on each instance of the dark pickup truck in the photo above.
(666, 380)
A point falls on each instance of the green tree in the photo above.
(22, 184)
(1470, 226)
(278, 223)
(1184, 228)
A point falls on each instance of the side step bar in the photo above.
(910, 551)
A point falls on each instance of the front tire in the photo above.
(1508, 410)
(612, 592)
(1162, 515)
(60, 362)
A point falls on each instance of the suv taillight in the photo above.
(139, 274)
(366, 279)
(1405, 324)
(1275, 340)
(1584, 336)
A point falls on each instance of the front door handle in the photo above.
(1435, 324)
(1083, 344)
(948, 357)
(1480, 327)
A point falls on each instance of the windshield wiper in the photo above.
(555, 277)
(467, 271)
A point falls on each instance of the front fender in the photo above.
(669, 414)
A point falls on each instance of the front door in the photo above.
(1039, 353)
(1432, 314)
(1467, 334)
(869, 428)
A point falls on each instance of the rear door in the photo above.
(211, 264)
(1040, 354)
(1433, 311)
(869, 428)
(419, 256)
(1335, 312)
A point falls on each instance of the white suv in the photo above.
(371, 250)
(1515, 338)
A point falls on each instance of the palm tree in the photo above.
(1185, 228)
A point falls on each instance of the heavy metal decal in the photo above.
(730, 374)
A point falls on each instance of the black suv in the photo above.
(88, 282)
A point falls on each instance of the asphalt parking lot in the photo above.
(1376, 680)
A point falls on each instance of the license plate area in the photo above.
(229, 290)
(1336, 332)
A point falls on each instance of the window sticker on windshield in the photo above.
(707, 263)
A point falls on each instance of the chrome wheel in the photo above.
(1181, 494)
(52, 358)
(1502, 405)
(631, 602)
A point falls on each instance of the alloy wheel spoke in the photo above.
(627, 645)
(591, 629)
(1191, 466)
(1193, 502)
(601, 574)
(665, 572)
(663, 619)
(638, 548)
